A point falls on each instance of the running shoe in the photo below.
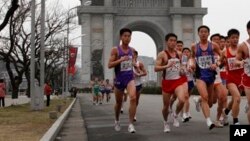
(175, 121)
(131, 128)
(117, 126)
(218, 124)
(185, 118)
(166, 127)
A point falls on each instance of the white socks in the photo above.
(209, 122)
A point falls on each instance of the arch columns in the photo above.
(108, 44)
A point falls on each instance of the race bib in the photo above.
(184, 59)
(205, 62)
(127, 65)
(175, 67)
(247, 67)
(231, 64)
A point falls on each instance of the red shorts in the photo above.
(246, 81)
(223, 75)
(184, 78)
(235, 80)
(169, 86)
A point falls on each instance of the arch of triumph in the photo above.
(102, 20)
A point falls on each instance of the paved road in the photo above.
(99, 122)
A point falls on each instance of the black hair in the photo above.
(214, 35)
(1, 80)
(204, 26)
(248, 25)
(222, 37)
(170, 35)
(179, 42)
(135, 52)
(123, 30)
(232, 32)
(186, 48)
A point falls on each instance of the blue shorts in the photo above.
(208, 80)
(138, 88)
(102, 91)
(122, 84)
(107, 91)
(190, 85)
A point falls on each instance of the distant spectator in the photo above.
(47, 92)
(73, 91)
(2, 93)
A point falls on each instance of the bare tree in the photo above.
(17, 51)
(10, 12)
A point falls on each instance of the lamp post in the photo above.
(87, 3)
(66, 91)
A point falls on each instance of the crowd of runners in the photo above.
(218, 67)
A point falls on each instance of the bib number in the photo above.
(205, 62)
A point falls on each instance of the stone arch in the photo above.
(103, 19)
(150, 28)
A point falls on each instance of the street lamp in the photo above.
(67, 63)
(87, 3)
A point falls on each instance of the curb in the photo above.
(51, 134)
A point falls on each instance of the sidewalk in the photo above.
(73, 129)
(21, 100)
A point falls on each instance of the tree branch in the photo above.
(10, 12)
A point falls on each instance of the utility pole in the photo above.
(35, 91)
(41, 104)
(32, 59)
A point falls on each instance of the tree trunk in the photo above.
(28, 83)
(10, 12)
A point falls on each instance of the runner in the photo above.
(95, 91)
(108, 89)
(189, 74)
(223, 72)
(102, 91)
(203, 52)
(220, 91)
(168, 61)
(243, 57)
(184, 60)
(121, 59)
(234, 75)
(139, 72)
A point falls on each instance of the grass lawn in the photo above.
(19, 123)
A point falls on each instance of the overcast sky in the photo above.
(222, 15)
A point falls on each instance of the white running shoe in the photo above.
(237, 123)
(121, 110)
(197, 104)
(175, 121)
(218, 124)
(225, 120)
(166, 127)
(185, 117)
(131, 128)
(210, 125)
(117, 126)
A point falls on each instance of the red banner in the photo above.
(72, 60)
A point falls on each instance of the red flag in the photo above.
(72, 59)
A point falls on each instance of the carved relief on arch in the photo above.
(141, 3)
